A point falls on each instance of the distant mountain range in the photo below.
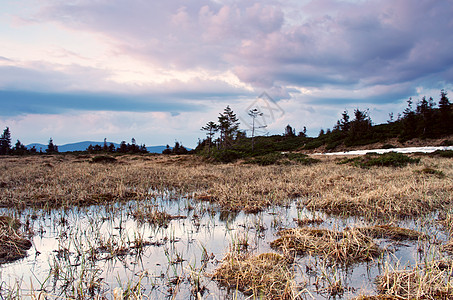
(82, 146)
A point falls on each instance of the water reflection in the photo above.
(91, 251)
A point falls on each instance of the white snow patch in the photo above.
(398, 150)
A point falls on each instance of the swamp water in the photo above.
(94, 251)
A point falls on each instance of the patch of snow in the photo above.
(381, 151)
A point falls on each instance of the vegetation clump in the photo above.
(301, 222)
(103, 159)
(391, 159)
(446, 220)
(13, 245)
(430, 281)
(265, 276)
(154, 216)
(346, 247)
(282, 158)
(443, 153)
(431, 171)
(391, 232)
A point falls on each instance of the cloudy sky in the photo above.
(159, 70)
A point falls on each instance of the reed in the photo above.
(431, 280)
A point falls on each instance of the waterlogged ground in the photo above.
(162, 227)
(91, 251)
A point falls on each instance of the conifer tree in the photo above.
(51, 148)
(228, 126)
(20, 149)
(5, 142)
(446, 114)
(211, 128)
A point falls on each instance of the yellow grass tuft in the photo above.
(392, 232)
(346, 247)
(267, 275)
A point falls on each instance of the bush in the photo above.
(267, 159)
(391, 159)
(278, 158)
(333, 145)
(103, 159)
(313, 145)
(431, 171)
(443, 153)
(226, 156)
(302, 158)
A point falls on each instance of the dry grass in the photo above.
(266, 275)
(448, 247)
(346, 247)
(446, 220)
(301, 222)
(13, 245)
(50, 181)
(154, 216)
(379, 297)
(431, 281)
(392, 232)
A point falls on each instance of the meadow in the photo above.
(178, 227)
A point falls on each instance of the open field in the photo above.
(181, 228)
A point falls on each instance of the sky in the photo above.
(158, 71)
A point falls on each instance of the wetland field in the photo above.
(178, 227)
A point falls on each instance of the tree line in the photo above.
(424, 119)
(122, 148)
(20, 149)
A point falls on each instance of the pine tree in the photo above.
(425, 110)
(20, 149)
(343, 124)
(51, 148)
(289, 131)
(446, 114)
(211, 128)
(5, 142)
(321, 132)
(409, 122)
(228, 126)
(360, 125)
(167, 150)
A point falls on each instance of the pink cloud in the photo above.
(352, 44)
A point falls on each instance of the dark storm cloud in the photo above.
(20, 102)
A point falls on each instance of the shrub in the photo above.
(313, 145)
(282, 158)
(443, 153)
(267, 159)
(431, 171)
(391, 159)
(226, 156)
(103, 159)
